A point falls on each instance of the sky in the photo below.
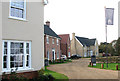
(86, 18)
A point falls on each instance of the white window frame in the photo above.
(57, 41)
(17, 18)
(47, 39)
(48, 56)
(58, 55)
(8, 69)
(53, 41)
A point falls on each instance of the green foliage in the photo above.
(111, 66)
(118, 46)
(107, 47)
(41, 72)
(57, 76)
(44, 77)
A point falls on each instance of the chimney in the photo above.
(73, 35)
(48, 23)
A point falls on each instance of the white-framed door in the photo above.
(48, 55)
(85, 54)
(53, 54)
(91, 53)
(68, 54)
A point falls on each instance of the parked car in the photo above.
(106, 54)
(75, 56)
(64, 57)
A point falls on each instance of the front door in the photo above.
(68, 54)
(85, 55)
(53, 54)
(91, 53)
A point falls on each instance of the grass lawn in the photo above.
(57, 76)
(111, 66)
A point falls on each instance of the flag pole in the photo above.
(106, 37)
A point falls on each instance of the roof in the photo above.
(65, 38)
(86, 41)
(49, 31)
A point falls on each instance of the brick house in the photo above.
(65, 44)
(84, 47)
(51, 43)
(22, 44)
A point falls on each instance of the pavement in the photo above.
(78, 69)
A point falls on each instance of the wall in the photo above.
(50, 46)
(79, 48)
(119, 19)
(30, 30)
(73, 45)
(64, 49)
(0, 39)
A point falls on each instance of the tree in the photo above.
(118, 47)
(102, 47)
(107, 47)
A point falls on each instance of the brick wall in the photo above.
(50, 46)
(29, 75)
(65, 48)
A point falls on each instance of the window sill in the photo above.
(18, 71)
(15, 18)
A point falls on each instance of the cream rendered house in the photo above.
(22, 45)
(83, 46)
(119, 19)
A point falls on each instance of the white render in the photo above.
(31, 29)
(119, 19)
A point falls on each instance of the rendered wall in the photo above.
(30, 30)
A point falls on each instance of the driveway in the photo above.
(78, 69)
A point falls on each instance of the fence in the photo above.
(111, 59)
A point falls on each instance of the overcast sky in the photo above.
(86, 18)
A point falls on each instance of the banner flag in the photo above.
(109, 16)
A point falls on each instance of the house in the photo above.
(85, 47)
(22, 37)
(65, 44)
(119, 19)
(51, 43)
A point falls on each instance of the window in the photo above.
(57, 41)
(52, 41)
(57, 54)
(48, 55)
(18, 9)
(47, 38)
(16, 54)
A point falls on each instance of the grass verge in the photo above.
(111, 66)
(57, 76)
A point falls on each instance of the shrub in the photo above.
(43, 78)
(41, 72)
(50, 77)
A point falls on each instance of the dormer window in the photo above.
(18, 9)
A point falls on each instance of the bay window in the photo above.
(16, 54)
